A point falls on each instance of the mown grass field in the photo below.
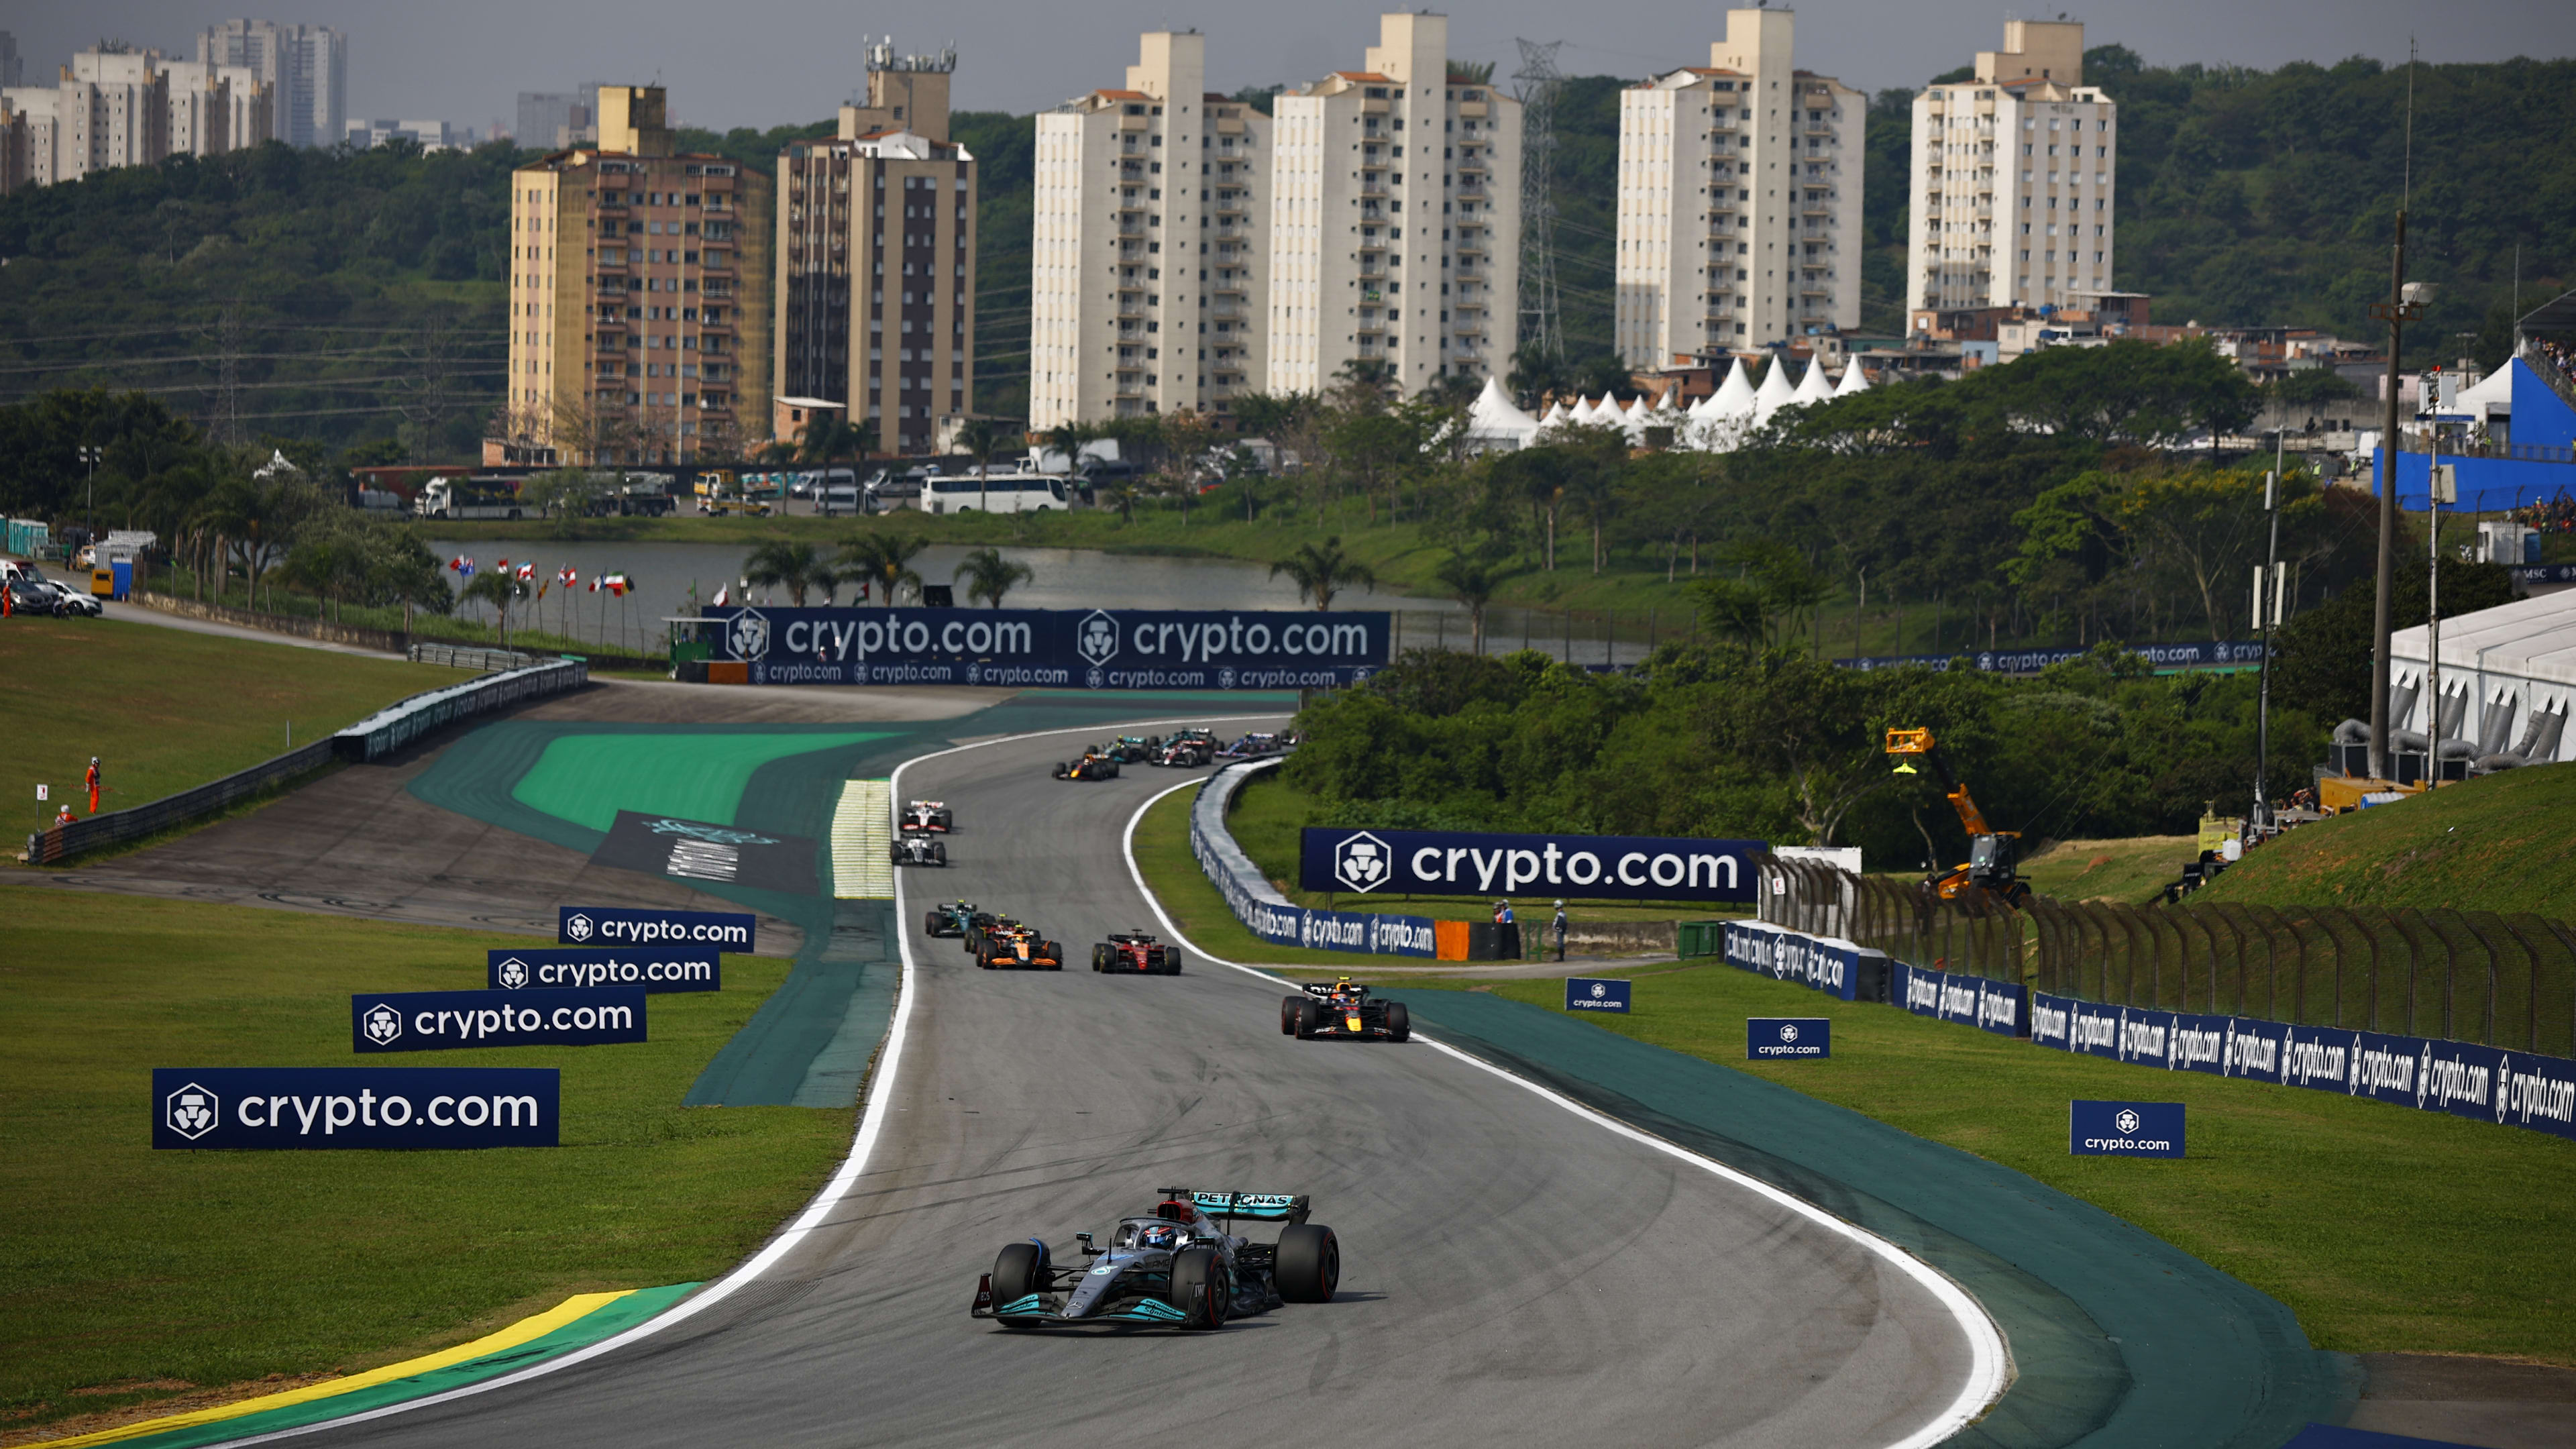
(2504, 842)
(165, 709)
(2130, 872)
(128, 1276)
(2384, 1229)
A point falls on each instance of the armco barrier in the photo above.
(1272, 916)
(371, 738)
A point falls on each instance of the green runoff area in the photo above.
(2501, 842)
(130, 1277)
(165, 709)
(2131, 872)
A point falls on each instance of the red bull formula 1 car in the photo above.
(1096, 763)
(1179, 1267)
(1343, 1010)
(1138, 952)
(1006, 945)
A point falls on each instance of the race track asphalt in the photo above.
(1514, 1273)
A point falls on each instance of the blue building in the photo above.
(2512, 437)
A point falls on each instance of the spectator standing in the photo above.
(1559, 925)
(91, 779)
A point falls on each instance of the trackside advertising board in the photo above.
(354, 1107)
(1823, 963)
(2492, 1084)
(627, 926)
(430, 1021)
(1596, 993)
(1462, 863)
(2001, 1007)
(1788, 1038)
(655, 968)
(2124, 1129)
(1060, 648)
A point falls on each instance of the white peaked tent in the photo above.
(1635, 417)
(1595, 413)
(1776, 392)
(1494, 422)
(1664, 401)
(1855, 379)
(1556, 417)
(1734, 397)
(1813, 387)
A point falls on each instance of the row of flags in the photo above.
(463, 566)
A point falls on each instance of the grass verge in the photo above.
(2381, 1228)
(2127, 871)
(2498, 843)
(129, 1276)
(165, 709)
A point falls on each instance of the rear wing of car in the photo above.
(1266, 1206)
(1324, 989)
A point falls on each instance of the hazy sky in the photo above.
(767, 62)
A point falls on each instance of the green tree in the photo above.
(498, 590)
(1322, 573)
(799, 568)
(989, 576)
(1471, 579)
(884, 558)
(982, 438)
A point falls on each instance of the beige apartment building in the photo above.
(1150, 259)
(2012, 196)
(217, 108)
(1394, 218)
(1739, 201)
(110, 107)
(876, 258)
(639, 299)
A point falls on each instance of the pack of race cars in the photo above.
(1181, 749)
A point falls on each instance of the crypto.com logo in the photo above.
(1096, 638)
(192, 1111)
(1362, 862)
(1599, 991)
(578, 928)
(382, 1023)
(2127, 1121)
(514, 973)
(1788, 1032)
(748, 635)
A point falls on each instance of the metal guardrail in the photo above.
(372, 738)
(456, 656)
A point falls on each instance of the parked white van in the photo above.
(1001, 493)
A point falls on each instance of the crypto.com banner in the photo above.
(1063, 648)
(1460, 863)
(354, 1107)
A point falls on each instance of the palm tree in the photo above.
(1471, 580)
(499, 590)
(1323, 572)
(1068, 439)
(884, 559)
(982, 438)
(990, 575)
(799, 568)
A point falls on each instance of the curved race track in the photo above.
(1514, 1272)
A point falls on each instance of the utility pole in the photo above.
(89, 455)
(2268, 578)
(2397, 311)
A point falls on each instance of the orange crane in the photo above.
(1991, 853)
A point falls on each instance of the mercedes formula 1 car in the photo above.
(920, 850)
(1178, 1268)
(926, 817)
(955, 918)
(1006, 945)
(1135, 951)
(1343, 1010)
(1186, 748)
(1096, 764)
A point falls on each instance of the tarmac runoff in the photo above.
(1515, 1271)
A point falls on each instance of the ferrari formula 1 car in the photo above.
(1178, 1267)
(1186, 748)
(1135, 951)
(1343, 1010)
(955, 918)
(925, 817)
(1006, 945)
(920, 850)
(1096, 764)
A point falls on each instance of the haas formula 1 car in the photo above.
(1096, 764)
(925, 817)
(1135, 951)
(1178, 1267)
(1006, 945)
(920, 850)
(1343, 1010)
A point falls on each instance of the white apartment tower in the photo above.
(1151, 251)
(1395, 219)
(2011, 197)
(306, 67)
(876, 258)
(1739, 200)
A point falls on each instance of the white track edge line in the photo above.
(871, 1124)
(1988, 1355)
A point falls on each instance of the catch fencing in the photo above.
(372, 738)
(2500, 979)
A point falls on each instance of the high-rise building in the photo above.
(554, 120)
(217, 108)
(1394, 218)
(639, 298)
(876, 258)
(1150, 251)
(1739, 200)
(2014, 175)
(12, 67)
(306, 66)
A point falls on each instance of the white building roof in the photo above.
(2530, 639)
